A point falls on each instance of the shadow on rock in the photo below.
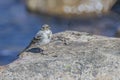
(35, 50)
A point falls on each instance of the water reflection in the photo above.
(17, 27)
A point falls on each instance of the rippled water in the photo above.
(17, 27)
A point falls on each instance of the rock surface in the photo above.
(69, 8)
(70, 56)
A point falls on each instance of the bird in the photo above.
(43, 37)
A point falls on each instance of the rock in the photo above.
(71, 55)
(71, 8)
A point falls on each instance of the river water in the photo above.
(18, 26)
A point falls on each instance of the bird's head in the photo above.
(45, 27)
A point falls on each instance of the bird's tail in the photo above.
(26, 47)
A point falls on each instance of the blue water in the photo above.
(18, 26)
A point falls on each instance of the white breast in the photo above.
(45, 37)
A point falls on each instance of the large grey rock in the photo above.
(71, 8)
(70, 56)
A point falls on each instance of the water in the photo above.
(17, 27)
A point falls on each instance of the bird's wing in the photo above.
(38, 35)
(37, 38)
(33, 41)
